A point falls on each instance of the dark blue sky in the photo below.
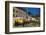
(34, 11)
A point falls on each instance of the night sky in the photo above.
(34, 11)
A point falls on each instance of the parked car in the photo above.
(21, 21)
